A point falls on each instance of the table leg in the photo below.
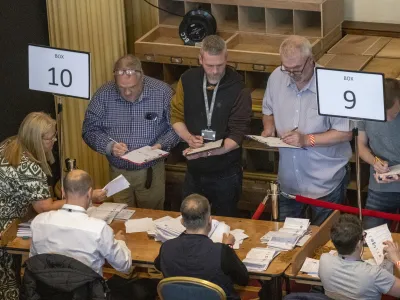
(271, 289)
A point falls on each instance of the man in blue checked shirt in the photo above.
(128, 113)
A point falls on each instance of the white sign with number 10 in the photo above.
(59, 71)
(355, 95)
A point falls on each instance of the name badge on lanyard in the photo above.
(209, 134)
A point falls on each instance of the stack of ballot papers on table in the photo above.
(24, 229)
(375, 238)
(258, 259)
(107, 211)
(293, 233)
(310, 266)
(240, 236)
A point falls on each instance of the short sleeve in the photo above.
(384, 280)
(341, 124)
(361, 125)
(267, 100)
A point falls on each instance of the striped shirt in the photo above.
(317, 171)
(143, 122)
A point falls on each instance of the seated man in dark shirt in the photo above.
(193, 254)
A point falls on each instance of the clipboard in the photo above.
(207, 147)
(273, 142)
(144, 155)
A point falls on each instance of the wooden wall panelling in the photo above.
(96, 26)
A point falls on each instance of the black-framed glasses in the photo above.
(128, 72)
(294, 72)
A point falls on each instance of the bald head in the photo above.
(294, 46)
(195, 211)
(77, 184)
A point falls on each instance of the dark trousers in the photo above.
(222, 189)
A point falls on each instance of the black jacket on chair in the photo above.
(58, 277)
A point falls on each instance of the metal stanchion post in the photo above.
(274, 188)
(355, 134)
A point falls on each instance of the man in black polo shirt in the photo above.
(212, 103)
(194, 254)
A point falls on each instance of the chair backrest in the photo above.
(183, 288)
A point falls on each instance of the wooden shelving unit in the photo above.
(253, 31)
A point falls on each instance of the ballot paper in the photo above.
(139, 225)
(124, 214)
(116, 185)
(218, 233)
(106, 211)
(375, 238)
(393, 170)
(168, 229)
(206, 147)
(240, 236)
(273, 142)
(144, 155)
(310, 266)
(258, 259)
(303, 240)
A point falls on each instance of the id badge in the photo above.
(208, 134)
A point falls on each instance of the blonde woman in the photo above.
(24, 167)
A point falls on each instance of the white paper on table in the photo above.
(310, 266)
(206, 147)
(273, 142)
(218, 233)
(111, 206)
(296, 223)
(139, 225)
(375, 238)
(393, 170)
(125, 214)
(144, 155)
(116, 185)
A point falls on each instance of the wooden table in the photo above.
(145, 249)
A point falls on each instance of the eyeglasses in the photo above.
(294, 72)
(52, 139)
(128, 72)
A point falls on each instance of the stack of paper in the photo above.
(310, 266)
(144, 155)
(124, 214)
(24, 229)
(258, 259)
(168, 229)
(240, 236)
(291, 234)
(139, 225)
(217, 232)
(107, 211)
(375, 238)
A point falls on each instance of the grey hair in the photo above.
(77, 182)
(128, 61)
(195, 210)
(294, 45)
(213, 45)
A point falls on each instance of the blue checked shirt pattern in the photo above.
(137, 124)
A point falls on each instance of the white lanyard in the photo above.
(209, 110)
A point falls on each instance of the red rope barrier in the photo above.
(348, 209)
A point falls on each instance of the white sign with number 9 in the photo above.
(59, 71)
(355, 95)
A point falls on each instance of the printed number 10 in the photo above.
(351, 100)
(63, 72)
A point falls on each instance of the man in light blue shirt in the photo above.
(290, 108)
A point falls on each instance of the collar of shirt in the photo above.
(145, 93)
(311, 85)
(74, 208)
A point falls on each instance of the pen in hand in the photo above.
(118, 149)
(294, 129)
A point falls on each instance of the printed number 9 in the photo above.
(352, 99)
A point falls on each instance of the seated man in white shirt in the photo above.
(347, 276)
(71, 232)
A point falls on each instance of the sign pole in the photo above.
(59, 120)
(358, 171)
